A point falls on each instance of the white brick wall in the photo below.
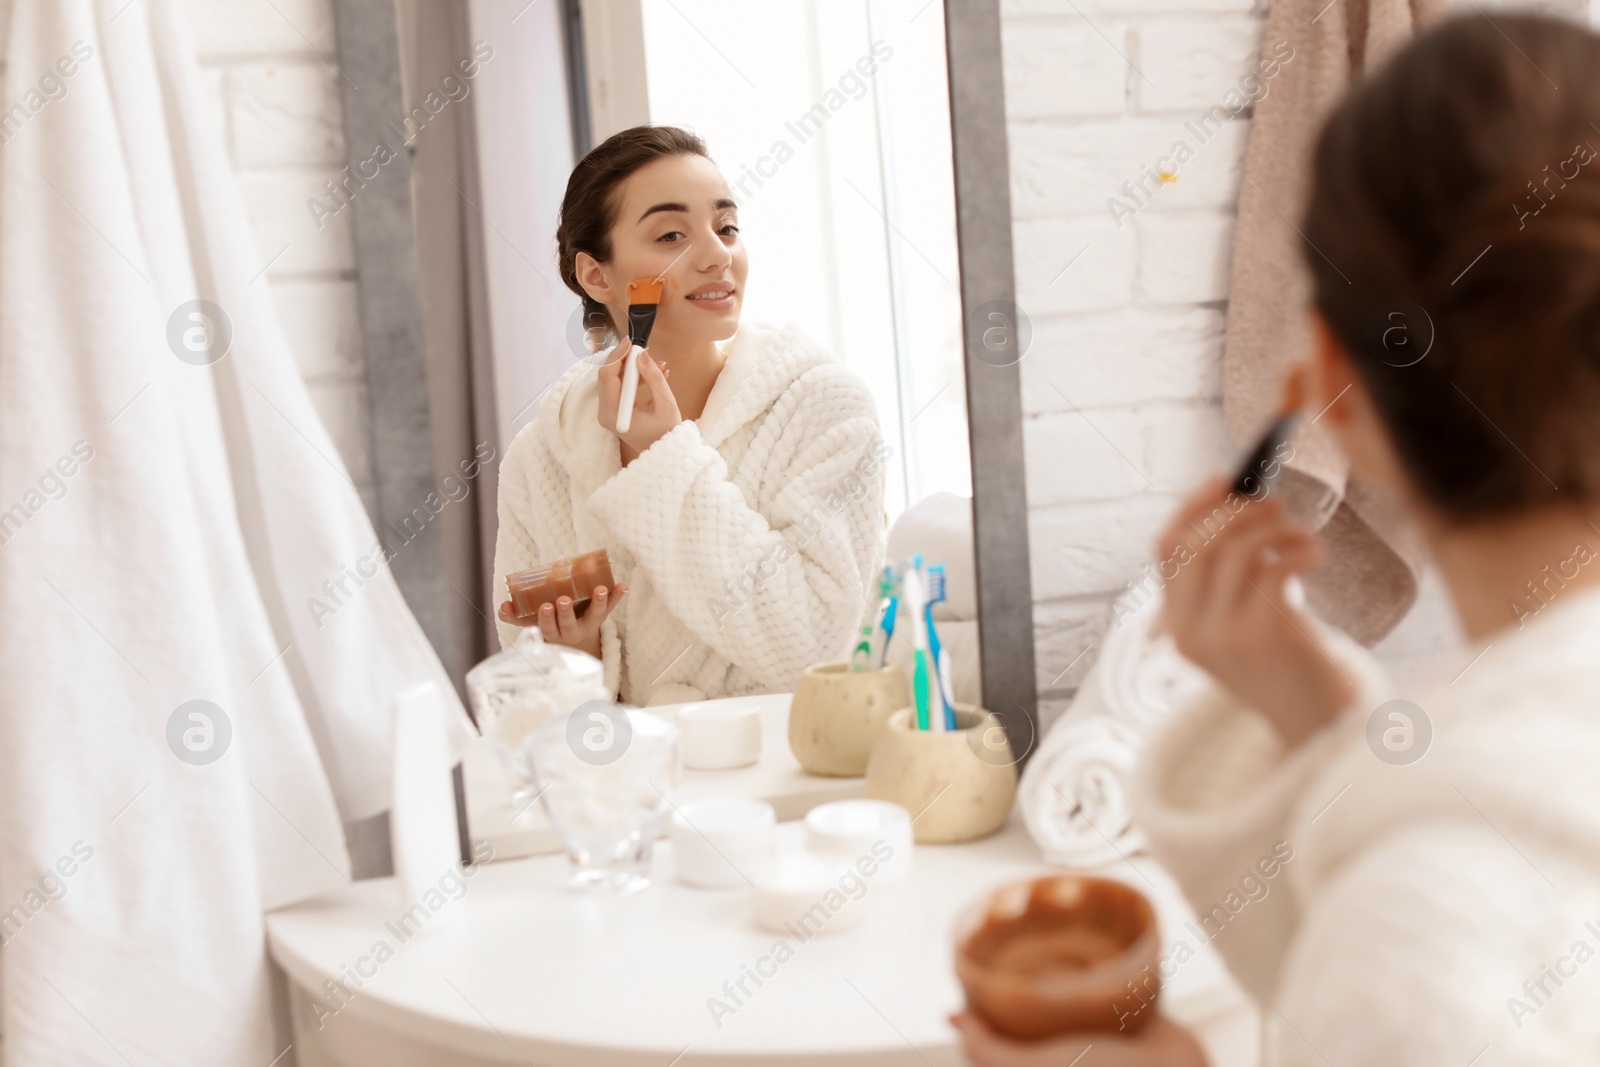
(1121, 386)
(1122, 383)
(275, 95)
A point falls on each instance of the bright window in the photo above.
(831, 123)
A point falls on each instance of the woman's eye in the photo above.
(729, 230)
(668, 237)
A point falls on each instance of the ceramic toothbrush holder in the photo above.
(838, 714)
(957, 785)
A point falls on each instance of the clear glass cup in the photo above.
(519, 689)
(604, 775)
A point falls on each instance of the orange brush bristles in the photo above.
(646, 290)
(1294, 390)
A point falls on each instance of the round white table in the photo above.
(513, 967)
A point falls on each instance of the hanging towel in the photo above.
(1374, 557)
(170, 509)
(1073, 793)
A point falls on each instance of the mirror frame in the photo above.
(367, 42)
(367, 45)
(996, 333)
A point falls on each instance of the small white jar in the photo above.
(802, 895)
(869, 833)
(719, 735)
(723, 841)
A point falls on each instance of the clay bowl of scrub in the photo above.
(1060, 954)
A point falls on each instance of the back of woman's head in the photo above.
(1455, 209)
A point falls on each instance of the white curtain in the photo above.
(170, 511)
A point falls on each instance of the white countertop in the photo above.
(776, 778)
(521, 969)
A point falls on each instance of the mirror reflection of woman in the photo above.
(742, 510)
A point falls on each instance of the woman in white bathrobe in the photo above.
(743, 509)
(1440, 904)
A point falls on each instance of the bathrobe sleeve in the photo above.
(772, 566)
(1215, 792)
(1387, 952)
(530, 486)
(1403, 959)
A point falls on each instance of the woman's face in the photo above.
(675, 216)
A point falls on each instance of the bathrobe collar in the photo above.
(763, 361)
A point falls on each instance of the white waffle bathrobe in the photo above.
(751, 538)
(1426, 912)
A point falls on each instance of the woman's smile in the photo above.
(716, 296)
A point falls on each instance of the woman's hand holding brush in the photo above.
(1229, 612)
(655, 409)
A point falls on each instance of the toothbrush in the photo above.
(942, 665)
(644, 297)
(862, 659)
(889, 615)
(919, 677)
(941, 661)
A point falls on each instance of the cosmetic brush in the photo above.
(1253, 470)
(862, 659)
(644, 297)
(912, 585)
(941, 660)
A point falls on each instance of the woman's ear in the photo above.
(1339, 400)
(592, 276)
(1331, 377)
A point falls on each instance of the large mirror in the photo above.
(836, 151)
(865, 210)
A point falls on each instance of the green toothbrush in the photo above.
(912, 591)
(862, 659)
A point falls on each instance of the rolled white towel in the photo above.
(1072, 793)
(1141, 675)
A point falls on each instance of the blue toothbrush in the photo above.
(888, 615)
(941, 667)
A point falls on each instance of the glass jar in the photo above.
(605, 774)
(519, 689)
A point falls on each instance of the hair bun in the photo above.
(1457, 183)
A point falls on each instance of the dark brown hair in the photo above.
(1457, 188)
(589, 208)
